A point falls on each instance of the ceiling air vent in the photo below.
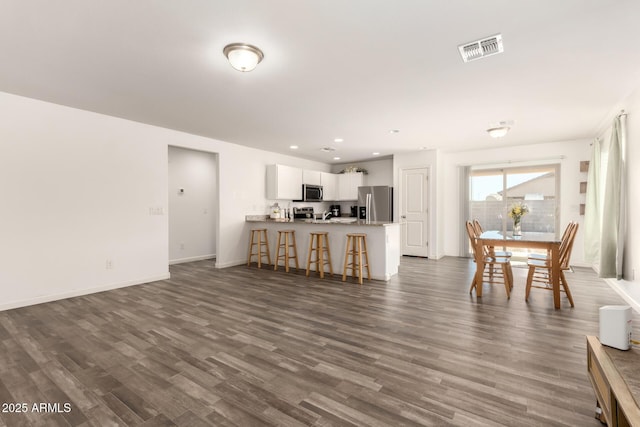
(481, 48)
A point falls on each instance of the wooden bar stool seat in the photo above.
(260, 242)
(357, 249)
(286, 244)
(319, 244)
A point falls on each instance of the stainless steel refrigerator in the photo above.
(375, 203)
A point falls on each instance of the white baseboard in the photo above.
(583, 264)
(80, 292)
(191, 259)
(629, 291)
(230, 263)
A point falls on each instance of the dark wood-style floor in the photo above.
(248, 347)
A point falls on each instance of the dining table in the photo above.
(529, 240)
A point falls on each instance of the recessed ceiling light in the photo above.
(392, 131)
(327, 149)
(338, 140)
(375, 153)
(293, 147)
(336, 158)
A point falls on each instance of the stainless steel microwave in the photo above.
(311, 193)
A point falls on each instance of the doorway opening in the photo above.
(193, 205)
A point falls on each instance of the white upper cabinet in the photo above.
(348, 184)
(284, 182)
(311, 177)
(329, 182)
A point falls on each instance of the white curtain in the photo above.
(613, 212)
(592, 207)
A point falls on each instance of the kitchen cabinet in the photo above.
(311, 177)
(284, 182)
(348, 184)
(329, 182)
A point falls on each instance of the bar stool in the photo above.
(358, 244)
(259, 240)
(289, 236)
(321, 247)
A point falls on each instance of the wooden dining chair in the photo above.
(563, 242)
(491, 273)
(539, 275)
(489, 250)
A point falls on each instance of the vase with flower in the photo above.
(516, 212)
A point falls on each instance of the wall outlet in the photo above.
(109, 264)
(156, 210)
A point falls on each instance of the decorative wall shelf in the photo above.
(584, 168)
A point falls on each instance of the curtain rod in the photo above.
(622, 113)
(530, 162)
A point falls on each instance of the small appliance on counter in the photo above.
(354, 211)
(305, 212)
(335, 211)
(274, 211)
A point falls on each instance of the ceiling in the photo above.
(352, 69)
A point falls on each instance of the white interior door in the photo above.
(414, 212)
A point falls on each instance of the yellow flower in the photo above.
(518, 210)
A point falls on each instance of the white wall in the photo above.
(79, 189)
(192, 211)
(572, 152)
(632, 249)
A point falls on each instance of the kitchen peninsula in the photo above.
(383, 241)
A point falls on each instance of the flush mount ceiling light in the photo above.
(243, 57)
(498, 131)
